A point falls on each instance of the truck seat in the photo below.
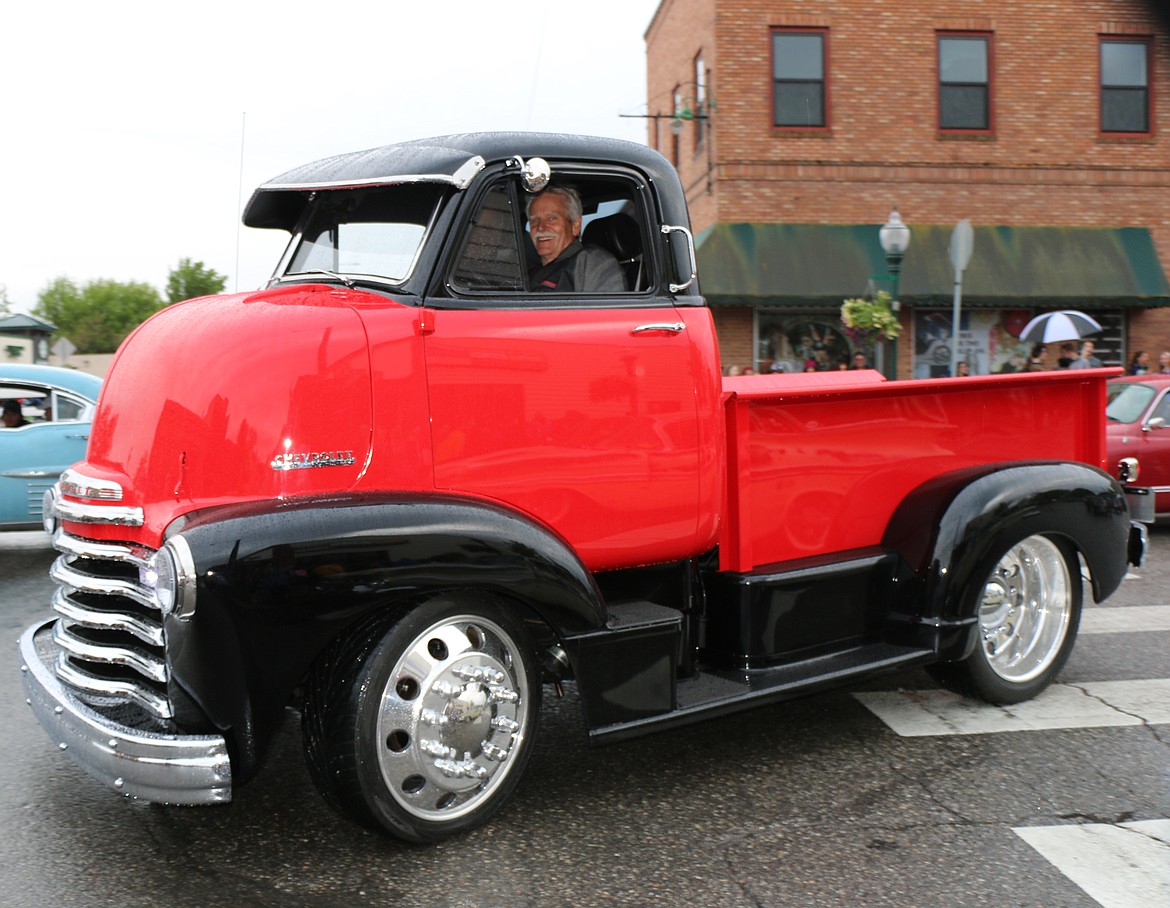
(619, 234)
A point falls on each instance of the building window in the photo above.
(1125, 85)
(964, 82)
(799, 86)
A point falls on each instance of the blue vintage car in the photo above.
(46, 412)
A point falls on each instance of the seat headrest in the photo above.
(617, 232)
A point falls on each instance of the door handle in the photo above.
(666, 327)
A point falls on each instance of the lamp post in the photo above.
(895, 238)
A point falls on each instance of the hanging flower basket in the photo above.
(868, 321)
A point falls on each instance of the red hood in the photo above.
(234, 398)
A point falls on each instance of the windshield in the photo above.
(1127, 402)
(372, 233)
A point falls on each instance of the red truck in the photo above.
(402, 493)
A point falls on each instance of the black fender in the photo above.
(949, 526)
(277, 581)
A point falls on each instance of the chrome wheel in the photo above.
(453, 712)
(1026, 600)
(1025, 610)
(420, 722)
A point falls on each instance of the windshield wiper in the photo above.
(333, 274)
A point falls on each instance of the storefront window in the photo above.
(989, 341)
(800, 343)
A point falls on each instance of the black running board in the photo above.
(721, 692)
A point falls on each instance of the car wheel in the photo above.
(1028, 607)
(422, 724)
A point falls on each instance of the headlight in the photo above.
(1128, 469)
(170, 574)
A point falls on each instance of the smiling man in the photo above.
(554, 223)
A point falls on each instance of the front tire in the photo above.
(421, 725)
(1028, 608)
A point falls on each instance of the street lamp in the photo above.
(895, 238)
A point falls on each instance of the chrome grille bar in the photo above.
(136, 658)
(85, 682)
(147, 632)
(64, 573)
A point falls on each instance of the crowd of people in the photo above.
(1069, 356)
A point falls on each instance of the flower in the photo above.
(866, 321)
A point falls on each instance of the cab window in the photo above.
(497, 254)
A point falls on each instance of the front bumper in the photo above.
(149, 766)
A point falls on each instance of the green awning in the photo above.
(1011, 267)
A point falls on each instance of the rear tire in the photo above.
(421, 724)
(1028, 607)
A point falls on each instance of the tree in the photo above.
(191, 279)
(97, 316)
(5, 306)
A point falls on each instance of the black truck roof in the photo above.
(452, 159)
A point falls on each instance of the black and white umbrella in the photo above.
(1063, 325)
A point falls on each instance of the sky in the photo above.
(133, 133)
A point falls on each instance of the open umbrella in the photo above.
(1062, 325)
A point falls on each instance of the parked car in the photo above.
(47, 430)
(1138, 427)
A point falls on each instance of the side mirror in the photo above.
(1156, 422)
(534, 173)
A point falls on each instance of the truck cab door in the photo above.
(576, 409)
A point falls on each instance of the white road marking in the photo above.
(1095, 704)
(1128, 620)
(1126, 865)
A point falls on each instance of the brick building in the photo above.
(798, 125)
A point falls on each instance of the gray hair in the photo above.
(568, 193)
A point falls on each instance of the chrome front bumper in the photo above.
(161, 768)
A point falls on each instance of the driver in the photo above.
(554, 223)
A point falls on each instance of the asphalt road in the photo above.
(811, 803)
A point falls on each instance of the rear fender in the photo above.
(948, 527)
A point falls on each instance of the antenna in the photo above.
(239, 197)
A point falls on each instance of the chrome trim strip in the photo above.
(81, 486)
(163, 768)
(142, 662)
(63, 573)
(460, 179)
(31, 474)
(95, 513)
(109, 621)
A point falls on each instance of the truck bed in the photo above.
(817, 462)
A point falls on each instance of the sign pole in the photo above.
(962, 244)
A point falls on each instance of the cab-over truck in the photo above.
(402, 493)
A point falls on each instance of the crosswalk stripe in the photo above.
(1130, 619)
(1096, 704)
(1126, 865)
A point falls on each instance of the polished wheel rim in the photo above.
(452, 717)
(1026, 609)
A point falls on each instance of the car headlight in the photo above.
(170, 575)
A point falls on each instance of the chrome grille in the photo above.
(109, 636)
